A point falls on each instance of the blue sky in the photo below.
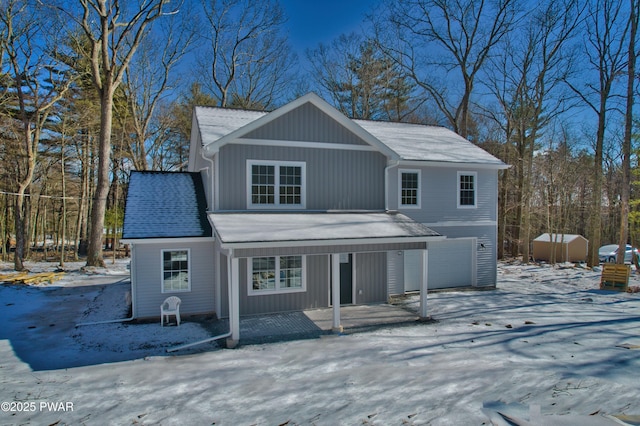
(315, 21)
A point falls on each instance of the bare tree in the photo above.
(527, 82)
(430, 39)
(606, 29)
(248, 59)
(114, 30)
(632, 55)
(150, 79)
(35, 86)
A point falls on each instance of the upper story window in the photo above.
(275, 184)
(467, 184)
(409, 188)
(175, 271)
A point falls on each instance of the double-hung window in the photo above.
(275, 184)
(175, 271)
(276, 274)
(409, 188)
(467, 186)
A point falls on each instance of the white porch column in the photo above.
(424, 286)
(335, 291)
(234, 303)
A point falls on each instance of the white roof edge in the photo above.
(333, 242)
(417, 163)
(321, 104)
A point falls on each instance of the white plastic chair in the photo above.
(170, 306)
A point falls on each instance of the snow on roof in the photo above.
(411, 142)
(215, 123)
(565, 238)
(305, 227)
(417, 142)
(165, 205)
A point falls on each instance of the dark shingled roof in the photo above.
(165, 205)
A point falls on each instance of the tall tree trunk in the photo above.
(628, 128)
(94, 254)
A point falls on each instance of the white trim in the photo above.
(318, 243)
(475, 189)
(461, 223)
(277, 289)
(419, 194)
(299, 144)
(276, 195)
(427, 163)
(189, 268)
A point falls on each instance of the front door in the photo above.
(346, 280)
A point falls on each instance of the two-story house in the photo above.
(304, 208)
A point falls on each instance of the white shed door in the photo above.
(412, 270)
(451, 263)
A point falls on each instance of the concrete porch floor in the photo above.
(359, 317)
(314, 323)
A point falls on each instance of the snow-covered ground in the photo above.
(546, 346)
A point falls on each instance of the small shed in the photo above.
(568, 247)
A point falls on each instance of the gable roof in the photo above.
(565, 238)
(398, 141)
(418, 142)
(241, 129)
(165, 205)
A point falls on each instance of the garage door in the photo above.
(451, 263)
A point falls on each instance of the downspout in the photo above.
(386, 182)
(221, 336)
(212, 207)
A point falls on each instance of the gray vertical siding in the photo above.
(336, 179)
(371, 277)
(440, 191)
(148, 279)
(306, 123)
(316, 295)
(224, 287)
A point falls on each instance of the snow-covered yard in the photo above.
(545, 346)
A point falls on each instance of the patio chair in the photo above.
(170, 306)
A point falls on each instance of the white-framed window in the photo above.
(467, 189)
(276, 184)
(276, 274)
(176, 274)
(409, 188)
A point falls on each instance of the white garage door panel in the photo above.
(450, 263)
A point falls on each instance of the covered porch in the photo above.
(335, 237)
